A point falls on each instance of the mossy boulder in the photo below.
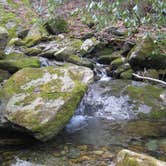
(56, 25)
(16, 61)
(42, 100)
(4, 75)
(35, 34)
(129, 158)
(4, 36)
(147, 54)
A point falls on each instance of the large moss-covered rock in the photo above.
(130, 158)
(43, 100)
(16, 61)
(147, 54)
(4, 35)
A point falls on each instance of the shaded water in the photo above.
(94, 135)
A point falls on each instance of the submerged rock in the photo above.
(130, 158)
(120, 100)
(16, 61)
(43, 100)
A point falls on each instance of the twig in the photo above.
(149, 78)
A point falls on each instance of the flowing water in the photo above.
(94, 134)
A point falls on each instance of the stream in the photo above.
(96, 132)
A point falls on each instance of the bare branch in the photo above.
(149, 78)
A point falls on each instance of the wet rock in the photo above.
(24, 163)
(16, 61)
(56, 25)
(125, 100)
(4, 35)
(35, 34)
(4, 75)
(146, 54)
(130, 158)
(42, 100)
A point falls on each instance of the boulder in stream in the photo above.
(42, 100)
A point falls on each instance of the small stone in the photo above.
(98, 152)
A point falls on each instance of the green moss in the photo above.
(57, 123)
(12, 86)
(145, 94)
(12, 65)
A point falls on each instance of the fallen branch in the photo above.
(149, 78)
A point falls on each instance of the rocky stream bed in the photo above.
(74, 101)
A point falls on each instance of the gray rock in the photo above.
(42, 100)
